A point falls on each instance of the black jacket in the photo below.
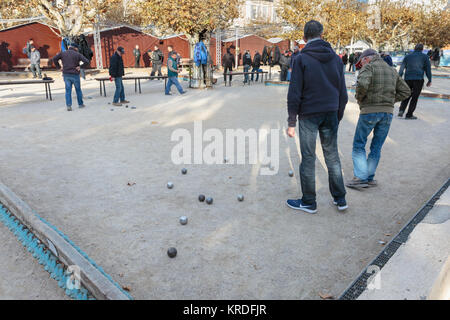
(228, 60)
(285, 62)
(84, 47)
(116, 69)
(265, 54)
(136, 52)
(71, 61)
(257, 61)
(317, 83)
(247, 60)
(157, 57)
(276, 55)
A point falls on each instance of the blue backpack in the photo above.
(200, 54)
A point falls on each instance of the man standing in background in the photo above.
(256, 65)
(137, 56)
(285, 63)
(35, 60)
(351, 62)
(86, 51)
(416, 64)
(247, 62)
(71, 59)
(157, 62)
(228, 64)
(117, 71)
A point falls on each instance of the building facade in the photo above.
(261, 11)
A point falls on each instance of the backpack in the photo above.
(200, 54)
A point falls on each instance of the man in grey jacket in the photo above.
(35, 62)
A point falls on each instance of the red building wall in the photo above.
(15, 39)
(124, 37)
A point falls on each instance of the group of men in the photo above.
(74, 62)
(253, 65)
(317, 97)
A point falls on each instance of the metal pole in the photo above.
(98, 46)
(218, 47)
(236, 51)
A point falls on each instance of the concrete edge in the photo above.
(441, 286)
(91, 278)
(364, 270)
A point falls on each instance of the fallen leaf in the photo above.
(154, 122)
(126, 288)
(325, 296)
(131, 183)
(387, 234)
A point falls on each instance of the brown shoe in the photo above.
(117, 104)
(357, 183)
(372, 183)
(125, 101)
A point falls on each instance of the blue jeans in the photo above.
(246, 69)
(170, 82)
(120, 91)
(257, 75)
(69, 80)
(326, 124)
(380, 122)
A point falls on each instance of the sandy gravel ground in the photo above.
(73, 168)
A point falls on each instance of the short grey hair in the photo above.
(313, 29)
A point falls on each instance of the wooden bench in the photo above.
(137, 82)
(262, 73)
(23, 63)
(48, 92)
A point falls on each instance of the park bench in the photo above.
(262, 73)
(23, 63)
(48, 92)
(137, 82)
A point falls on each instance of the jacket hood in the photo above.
(319, 50)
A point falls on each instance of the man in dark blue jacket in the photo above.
(117, 71)
(416, 64)
(317, 96)
(71, 59)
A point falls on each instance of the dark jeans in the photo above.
(364, 167)
(257, 75)
(225, 71)
(326, 124)
(120, 91)
(246, 69)
(73, 80)
(284, 73)
(136, 61)
(156, 67)
(416, 88)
